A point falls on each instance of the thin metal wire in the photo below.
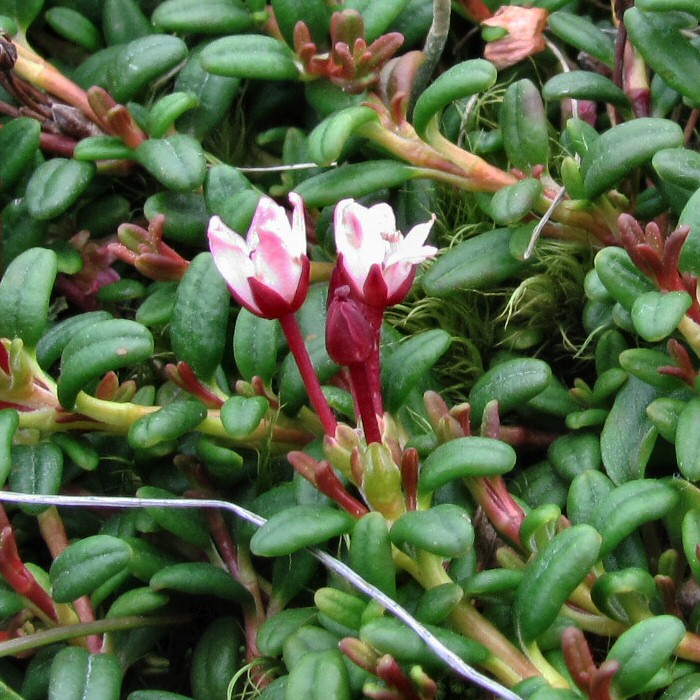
(454, 662)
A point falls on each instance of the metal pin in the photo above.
(454, 662)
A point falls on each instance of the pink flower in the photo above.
(268, 272)
(377, 261)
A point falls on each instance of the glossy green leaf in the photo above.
(102, 148)
(53, 342)
(177, 162)
(314, 13)
(104, 346)
(215, 95)
(189, 525)
(624, 147)
(186, 215)
(552, 577)
(621, 277)
(574, 453)
(165, 112)
(328, 139)
(170, 422)
(9, 422)
(202, 16)
(690, 216)
(75, 27)
(241, 415)
(200, 579)
(354, 180)
(370, 552)
(250, 56)
(688, 440)
(462, 80)
(477, 263)
(514, 202)
(87, 564)
(410, 363)
(630, 505)
(377, 17)
(36, 469)
(19, 142)
(216, 659)
(298, 527)
(645, 364)
(200, 316)
(657, 314)
(137, 601)
(465, 457)
(256, 343)
(124, 21)
(666, 50)
(320, 675)
(628, 435)
(524, 126)
(444, 529)
(690, 534)
(511, 383)
(643, 650)
(275, 630)
(143, 60)
(585, 85)
(25, 293)
(583, 35)
(56, 185)
(78, 675)
(623, 595)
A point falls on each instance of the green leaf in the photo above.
(102, 148)
(53, 342)
(87, 564)
(200, 317)
(137, 601)
(552, 577)
(628, 435)
(460, 81)
(177, 162)
(585, 85)
(477, 263)
(123, 21)
(327, 141)
(298, 527)
(444, 529)
(19, 142)
(688, 440)
(320, 675)
(582, 34)
(628, 507)
(354, 180)
(186, 215)
(250, 56)
(621, 277)
(200, 579)
(657, 314)
(642, 650)
(666, 50)
(471, 456)
(370, 552)
(143, 60)
(75, 27)
(216, 659)
(36, 469)
(524, 126)
(314, 13)
(202, 17)
(78, 675)
(276, 629)
(513, 203)
(172, 421)
(9, 422)
(377, 16)
(410, 363)
(56, 185)
(511, 383)
(256, 344)
(165, 112)
(25, 293)
(104, 346)
(240, 415)
(624, 147)
(24, 11)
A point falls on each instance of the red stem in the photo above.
(292, 331)
(363, 385)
